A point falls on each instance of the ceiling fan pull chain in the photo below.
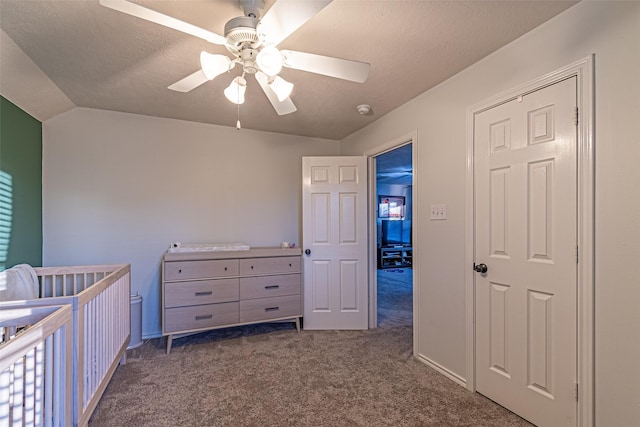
(238, 122)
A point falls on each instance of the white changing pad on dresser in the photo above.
(207, 247)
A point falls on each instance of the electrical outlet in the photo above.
(439, 211)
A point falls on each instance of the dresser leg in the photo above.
(298, 324)
(169, 342)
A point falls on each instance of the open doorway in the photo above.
(394, 230)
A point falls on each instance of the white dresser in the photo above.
(210, 290)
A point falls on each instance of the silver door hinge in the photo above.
(576, 391)
(575, 117)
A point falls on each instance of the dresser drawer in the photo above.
(270, 308)
(182, 319)
(206, 269)
(287, 264)
(178, 294)
(269, 286)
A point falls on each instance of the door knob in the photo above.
(480, 268)
(307, 251)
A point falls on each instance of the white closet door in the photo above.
(526, 221)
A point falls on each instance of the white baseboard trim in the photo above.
(444, 371)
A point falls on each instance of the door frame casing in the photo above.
(585, 351)
(371, 154)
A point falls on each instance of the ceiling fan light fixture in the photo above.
(269, 60)
(281, 88)
(214, 65)
(235, 91)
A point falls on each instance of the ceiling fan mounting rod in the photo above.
(252, 8)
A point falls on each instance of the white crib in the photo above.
(35, 367)
(99, 297)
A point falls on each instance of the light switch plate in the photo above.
(439, 211)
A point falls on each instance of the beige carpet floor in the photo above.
(269, 375)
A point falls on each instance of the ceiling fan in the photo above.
(252, 40)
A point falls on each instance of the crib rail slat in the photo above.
(48, 382)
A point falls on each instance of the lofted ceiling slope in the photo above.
(103, 59)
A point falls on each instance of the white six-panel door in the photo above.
(334, 232)
(525, 233)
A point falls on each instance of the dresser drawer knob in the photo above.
(272, 309)
(225, 269)
(204, 293)
(252, 267)
(289, 265)
(272, 287)
(180, 271)
(204, 317)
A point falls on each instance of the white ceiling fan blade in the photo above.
(326, 65)
(151, 15)
(282, 107)
(190, 82)
(286, 16)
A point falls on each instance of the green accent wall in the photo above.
(20, 187)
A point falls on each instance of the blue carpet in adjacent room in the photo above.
(395, 297)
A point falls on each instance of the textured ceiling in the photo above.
(104, 59)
